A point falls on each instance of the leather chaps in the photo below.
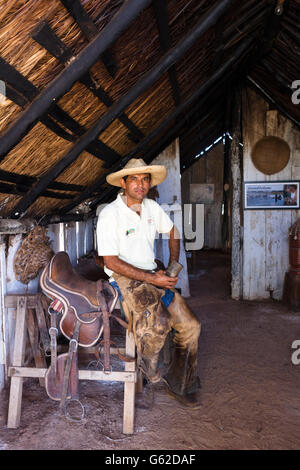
(151, 322)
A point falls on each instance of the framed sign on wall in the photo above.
(271, 195)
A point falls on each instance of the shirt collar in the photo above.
(124, 206)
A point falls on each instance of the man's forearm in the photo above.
(159, 278)
(125, 269)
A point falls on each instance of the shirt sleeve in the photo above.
(107, 234)
(163, 222)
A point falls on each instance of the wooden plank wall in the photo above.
(265, 245)
(208, 169)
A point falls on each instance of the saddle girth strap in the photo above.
(106, 324)
(53, 332)
(121, 356)
(72, 350)
(106, 339)
(54, 309)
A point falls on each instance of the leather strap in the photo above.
(121, 356)
(53, 332)
(119, 320)
(106, 326)
(72, 349)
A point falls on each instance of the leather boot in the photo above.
(144, 396)
(181, 379)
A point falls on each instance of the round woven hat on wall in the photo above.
(270, 155)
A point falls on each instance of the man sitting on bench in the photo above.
(126, 230)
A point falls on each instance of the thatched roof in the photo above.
(263, 48)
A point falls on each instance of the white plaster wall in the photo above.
(265, 241)
(170, 194)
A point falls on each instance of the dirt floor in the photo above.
(250, 387)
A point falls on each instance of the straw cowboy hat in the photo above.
(136, 166)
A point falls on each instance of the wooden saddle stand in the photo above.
(82, 309)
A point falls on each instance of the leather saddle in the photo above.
(85, 307)
(82, 300)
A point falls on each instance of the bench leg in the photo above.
(16, 385)
(139, 384)
(129, 387)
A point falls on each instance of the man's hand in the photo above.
(160, 279)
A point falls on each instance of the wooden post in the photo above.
(16, 385)
(42, 323)
(226, 229)
(129, 387)
(33, 334)
(236, 270)
(3, 345)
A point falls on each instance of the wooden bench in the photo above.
(25, 306)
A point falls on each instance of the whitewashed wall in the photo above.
(208, 169)
(75, 238)
(265, 244)
(170, 197)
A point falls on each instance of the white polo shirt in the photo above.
(122, 232)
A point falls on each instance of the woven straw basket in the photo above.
(33, 255)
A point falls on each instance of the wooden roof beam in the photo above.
(254, 12)
(208, 142)
(219, 44)
(28, 181)
(194, 144)
(162, 20)
(90, 30)
(47, 38)
(262, 91)
(6, 188)
(116, 109)
(184, 107)
(65, 80)
(22, 92)
(294, 34)
(216, 109)
(17, 98)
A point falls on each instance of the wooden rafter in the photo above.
(48, 39)
(262, 91)
(219, 44)
(90, 30)
(162, 20)
(196, 145)
(21, 91)
(203, 90)
(145, 82)
(65, 80)
(208, 142)
(28, 181)
(6, 188)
